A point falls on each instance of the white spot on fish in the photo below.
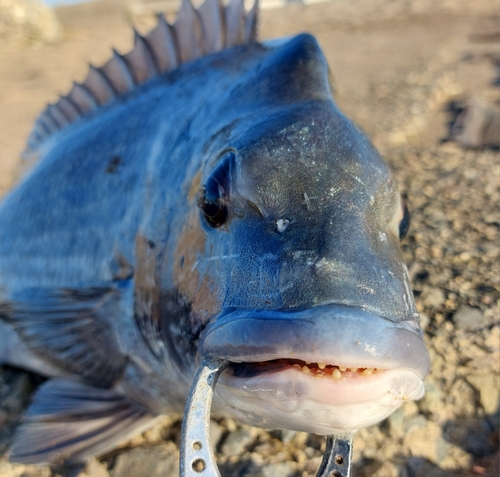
(371, 349)
(382, 236)
(281, 225)
(365, 288)
(333, 191)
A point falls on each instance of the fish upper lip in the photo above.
(332, 334)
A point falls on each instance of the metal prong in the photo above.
(337, 459)
(197, 457)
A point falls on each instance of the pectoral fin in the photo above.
(70, 422)
(69, 329)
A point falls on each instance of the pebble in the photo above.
(470, 318)
(432, 297)
(488, 386)
(430, 404)
(157, 461)
(282, 469)
(236, 442)
(424, 320)
(93, 468)
(216, 432)
(425, 440)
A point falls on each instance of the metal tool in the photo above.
(337, 458)
(197, 457)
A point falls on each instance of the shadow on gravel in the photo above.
(476, 436)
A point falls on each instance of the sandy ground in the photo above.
(397, 66)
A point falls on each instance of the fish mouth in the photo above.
(318, 370)
(327, 369)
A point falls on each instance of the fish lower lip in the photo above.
(290, 398)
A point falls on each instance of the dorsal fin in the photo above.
(196, 32)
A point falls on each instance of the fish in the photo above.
(199, 197)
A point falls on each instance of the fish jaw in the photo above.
(297, 400)
(324, 370)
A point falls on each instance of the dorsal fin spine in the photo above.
(161, 46)
(210, 18)
(82, 99)
(234, 16)
(251, 22)
(48, 123)
(68, 108)
(187, 30)
(57, 115)
(117, 74)
(196, 32)
(99, 86)
(140, 61)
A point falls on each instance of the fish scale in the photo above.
(181, 209)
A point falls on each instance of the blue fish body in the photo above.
(219, 205)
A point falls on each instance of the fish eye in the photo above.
(404, 223)
(212, 204)
(215, 193)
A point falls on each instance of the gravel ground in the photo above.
(397, 70)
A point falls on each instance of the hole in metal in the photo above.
(197, 445)
(335, 473)
(339, 459)
(199, 465)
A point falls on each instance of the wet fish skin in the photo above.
(114, 283)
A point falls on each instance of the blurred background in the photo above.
(422, 78)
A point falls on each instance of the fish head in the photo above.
(298, 271)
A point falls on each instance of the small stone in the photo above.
(470, 318)
(488, 386)
(492, 340)
(431, 403)
(432, 297)
(215, 434)
(425, 440)
(287, 435)
(415, 422)
(157, 461)
(282, 469)
(93, 468)
(9, 469)
(424, 320)
(236, 442)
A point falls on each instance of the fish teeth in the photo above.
(336, 374)
(336, 371)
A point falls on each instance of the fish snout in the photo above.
(325, 369)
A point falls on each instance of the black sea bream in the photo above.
(203, 196)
